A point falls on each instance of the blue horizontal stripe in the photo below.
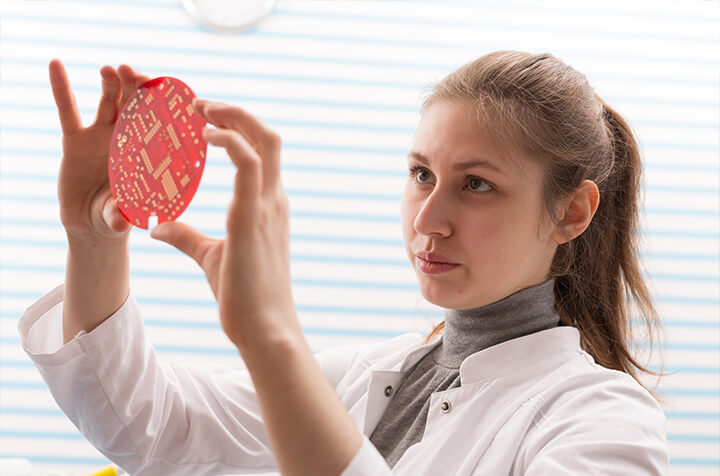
(396, 42)
(22, 385)
(178, 349)
(681, 234)
(692, 415)
(13, 315)
(345, 170)
(334, 309)
(56, 412)
(685, 277)
(162, 249)
(53, 178)
(694, 438)
(227, 98)
(44, 412)
(399, 152)
(688, 299)
(278, 123)
(402, 152)
(17, 363)
(308, 330)
(184, 349)
(682, 256)
(343, 239)
(690, 392)
(668, 167)
(57, 435)
(236, 55)
(527, 7)
(6, 313)
(682, 211)
(243, 99)
(142, 3)
(695, 347)
(694, 462)
(49, 435)
(352, 310)
(58, 459)
(686, 370)
(222, 209)
(198, 275)
(275, 123)
(690, 323)
(218, 232)
(665, 189)
(454, 23)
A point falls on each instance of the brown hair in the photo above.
(537, 105)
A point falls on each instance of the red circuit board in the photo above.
(157, 153)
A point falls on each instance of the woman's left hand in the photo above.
(249, 271)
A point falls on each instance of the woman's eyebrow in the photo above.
(459, 165)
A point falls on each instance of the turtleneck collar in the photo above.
(468, 331)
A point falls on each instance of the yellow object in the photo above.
(109, 471)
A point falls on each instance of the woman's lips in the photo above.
(433, 267)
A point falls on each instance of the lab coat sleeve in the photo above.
(612, 427)
(367, 462)
(152, 417)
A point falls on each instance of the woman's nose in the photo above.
(434, 216)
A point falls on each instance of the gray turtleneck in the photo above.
(466, 331)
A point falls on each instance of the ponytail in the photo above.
(598, 274)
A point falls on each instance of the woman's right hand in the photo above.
(87, 208)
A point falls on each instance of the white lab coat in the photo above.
(534, 405)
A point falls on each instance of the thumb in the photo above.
(114, 220)
(183, 237)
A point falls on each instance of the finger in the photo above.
(237, 118)
(108, 108)
(113, 218)
(131, 80)
(258, 134)
(245, 158)
(70, 120)
(185, 238)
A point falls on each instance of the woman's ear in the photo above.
(577, 211)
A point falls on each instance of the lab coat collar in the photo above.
(515, 354)
(503, 358)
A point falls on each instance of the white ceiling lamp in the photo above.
(228, 16)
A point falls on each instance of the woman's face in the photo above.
(466, 205)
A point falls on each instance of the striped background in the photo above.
(341, 81)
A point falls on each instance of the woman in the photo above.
(519, 218)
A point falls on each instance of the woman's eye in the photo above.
(419, 174)
(478, 185)
(422, 175)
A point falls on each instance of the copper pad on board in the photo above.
(157, 153)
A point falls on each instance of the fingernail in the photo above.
(158, 232)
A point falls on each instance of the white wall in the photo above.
(341, 82)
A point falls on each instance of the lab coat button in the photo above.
(388, 390)
(445, 406)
